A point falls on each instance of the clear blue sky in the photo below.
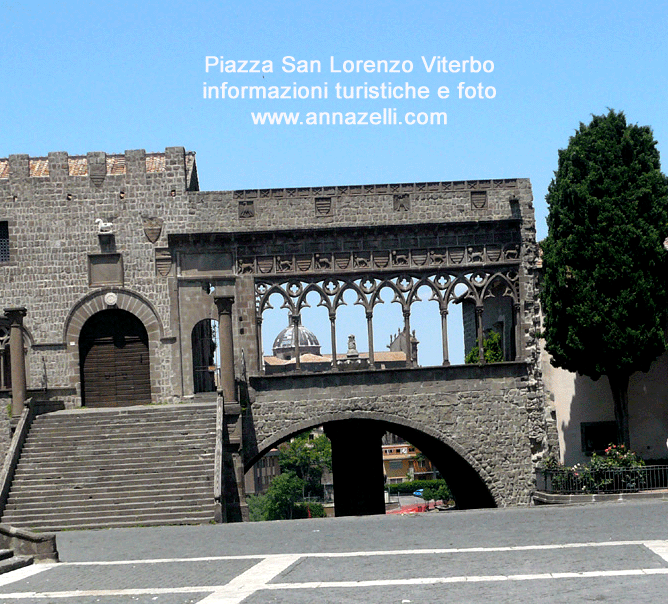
(112, 76)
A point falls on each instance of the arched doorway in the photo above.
(114, 360)
(204, 340)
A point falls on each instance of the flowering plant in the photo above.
(614, 471)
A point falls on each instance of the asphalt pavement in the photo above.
(615, 552)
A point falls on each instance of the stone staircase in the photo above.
(99, 468)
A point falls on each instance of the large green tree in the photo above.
(605, 291)
(308, 458)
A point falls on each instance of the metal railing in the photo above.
(568, 481)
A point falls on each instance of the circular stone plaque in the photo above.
(110, 299)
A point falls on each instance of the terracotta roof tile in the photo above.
(78, 166)
(115, 164)
(39, 166)
(155, 162)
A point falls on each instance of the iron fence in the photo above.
(568, 481)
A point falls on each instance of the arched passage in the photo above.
(114, 360)
(361, 467)
(204, 341)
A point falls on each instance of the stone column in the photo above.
(357, 467)
(369, 330)
(444, 334)
(480, 333)
(260, 349)
(227, 383)
(519, 349)
(295, 340)
(407, 335)
(332, 321)
(17, 358)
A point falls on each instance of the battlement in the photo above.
(386, 189)
(60, 164)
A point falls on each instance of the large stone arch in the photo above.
(440, 448)
(122, 299)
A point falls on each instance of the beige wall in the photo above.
(577, 398)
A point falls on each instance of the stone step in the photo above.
(84, 524)
(133, 497)
(134, 449)
(101, 511)
(151, 412)
(14, 562)
(77, 416)
(175, 422)
(98, 482)
(102, 519)
(84, 456)
(101, 464)
(76, 463)
(167, 465)
(78, 436)
(142, 481)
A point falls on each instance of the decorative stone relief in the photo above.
(323, 206)
(246, 208)
(153, 228)
(402, 202)
(478, 199)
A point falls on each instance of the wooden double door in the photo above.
(114, 360)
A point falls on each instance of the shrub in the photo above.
(491, 347)
(407, 488)
(614, 471)
(301, 510)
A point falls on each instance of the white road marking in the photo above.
(254, 579)
(235, 593)
(258, 577)
(406, 552)
(23, 573)
(660, 548)
(466, 579)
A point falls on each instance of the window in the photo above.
(4, 241)
(596, 436)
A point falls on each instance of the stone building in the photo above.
(135, 282)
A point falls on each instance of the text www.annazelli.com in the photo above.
(386, 117)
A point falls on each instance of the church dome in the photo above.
(284, 344)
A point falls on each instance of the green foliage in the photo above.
(283, 501)
(257, 507)
(307, 459)
(302, 462)
(282, 495)
(604, 289)
(407, 488)
(301, 510)
(438, 493)
(491, 347)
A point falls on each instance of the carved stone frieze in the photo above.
(451, 256)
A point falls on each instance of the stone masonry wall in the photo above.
(481, 412)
